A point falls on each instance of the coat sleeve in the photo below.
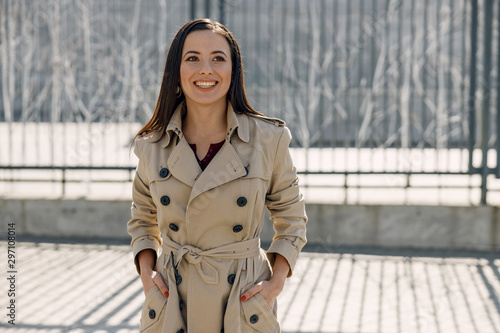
(286, 205)
(143, 226)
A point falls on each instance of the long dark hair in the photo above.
(168, 100)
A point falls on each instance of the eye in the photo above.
(192, 58)
(219, 58)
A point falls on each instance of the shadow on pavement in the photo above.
(89, 285)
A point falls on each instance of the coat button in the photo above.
(163, 172)
(237, 228)
(246, 172)
(173, 227)
(242, 201)
(231, 278)
(152, 314)
(165, 200)
(180, 331)
(178, 279)
(254, 319)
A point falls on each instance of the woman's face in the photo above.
(205, 72)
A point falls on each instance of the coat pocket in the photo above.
(153, 311)
(258, 316)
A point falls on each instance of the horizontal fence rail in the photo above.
(387, 87)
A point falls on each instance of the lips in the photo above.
(205, 84)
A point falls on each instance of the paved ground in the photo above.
(93, 287)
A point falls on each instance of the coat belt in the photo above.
(197, 256)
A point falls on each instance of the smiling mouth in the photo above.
(205, 85)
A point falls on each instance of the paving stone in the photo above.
(93, 287)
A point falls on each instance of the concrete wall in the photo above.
(408, 226)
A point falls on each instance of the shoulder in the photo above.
(270, 133)
(265, 126)
(264, 120)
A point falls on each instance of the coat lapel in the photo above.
(183, 164)
(225, 167)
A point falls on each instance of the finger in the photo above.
(158, 280)
(147, 283)
(256, 288)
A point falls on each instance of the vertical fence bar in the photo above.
(221, 11)
(423, 111)
(412, 95)
(462, 141)
(371, 77)
(424, 71)
(472, 87)
(258, 67)
(386, 85)
(63, 182)
(207, 8)
(193, 9)
(349, 141)
(437, 86)
(347, 98)
(321, 116)
(449, 90)
(399, 92)
(335, 116)
(283, 81)
(498, 97)
(246, 48)
(361, 85)
(270, 68)
(296, 57)
(485, 105)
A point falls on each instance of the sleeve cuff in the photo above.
(143, 243)
(287, 249)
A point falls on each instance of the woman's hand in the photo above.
(150, 277)
(268, 289)
(272, 288)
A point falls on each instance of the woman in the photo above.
(208, 165)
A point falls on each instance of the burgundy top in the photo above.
(212, 151)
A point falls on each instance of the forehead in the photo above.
(205, 40)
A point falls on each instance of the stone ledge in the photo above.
(447, 227)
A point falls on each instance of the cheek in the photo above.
(184, 74)
(227, 75)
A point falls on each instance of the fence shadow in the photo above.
(88, 286)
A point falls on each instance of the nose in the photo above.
(206, 68)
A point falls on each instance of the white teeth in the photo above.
(205, 84)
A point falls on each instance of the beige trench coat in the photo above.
(205, 225)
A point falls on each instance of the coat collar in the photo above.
(175, 125)
(235, 123)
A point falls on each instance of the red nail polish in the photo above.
(243, 298)
(165, 293)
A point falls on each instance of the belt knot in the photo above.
(197, 257)
(190, 253)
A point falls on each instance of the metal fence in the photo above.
(380, 87)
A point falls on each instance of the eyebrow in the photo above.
(214, 52)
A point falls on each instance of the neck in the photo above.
(205, 122)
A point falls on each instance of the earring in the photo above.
(178, 92)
